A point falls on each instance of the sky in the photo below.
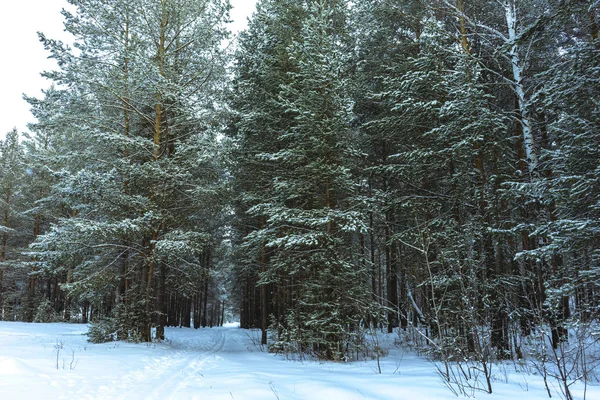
(24, 57)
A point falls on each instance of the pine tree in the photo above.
(147, 75)
(263, 65)
(13, 173)
(567, 189)
(388, 36)
(306, 223)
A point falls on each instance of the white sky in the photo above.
(23, 56)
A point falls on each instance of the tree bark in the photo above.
(205, 300)
(3, 252)
(263, 292)
(162, 305)
(391, 279)
(517, 69)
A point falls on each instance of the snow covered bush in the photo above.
(45, 313)
(102, 331)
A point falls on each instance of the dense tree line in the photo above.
(457, 209)
(426, 166)
(126, 167)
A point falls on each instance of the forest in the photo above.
(431, 167)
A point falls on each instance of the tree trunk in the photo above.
(147, 335)
(517, 68)
(162, 305)
(3, 254)
(374, 267)
(391, 279)
(205, 300)
(222, 313)
(263, 293)
(67, 313)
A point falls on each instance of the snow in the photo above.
(55, 361)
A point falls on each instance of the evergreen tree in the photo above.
(146, 76)
(263, 64)
(567, 189)
(11, 192)
(307, 219)
(390, 163)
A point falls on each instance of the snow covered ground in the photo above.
(55, 361)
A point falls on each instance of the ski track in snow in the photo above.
(168, 375)
(194, 361)
(213, 363)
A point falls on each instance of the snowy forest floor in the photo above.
(55, 361)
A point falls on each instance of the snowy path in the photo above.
(168, 376)
(218, 363)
